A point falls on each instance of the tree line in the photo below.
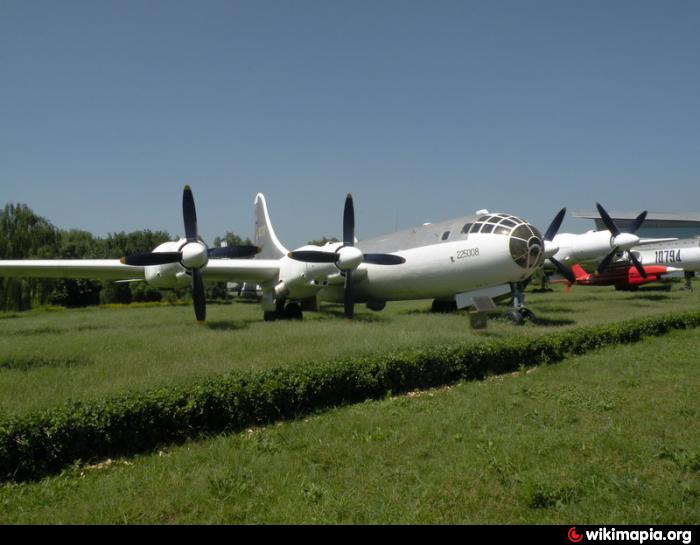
(26, 235)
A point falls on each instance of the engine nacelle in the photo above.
(168, 276)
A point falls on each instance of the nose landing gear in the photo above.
(519, 313)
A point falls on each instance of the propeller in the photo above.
(550, 249)
(193, 255)
(621, 240)
(346, 257)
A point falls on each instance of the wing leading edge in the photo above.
(99, 269)
(247, 270)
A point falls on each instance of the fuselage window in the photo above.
(466, 227)
(487, 228)
(445, 235)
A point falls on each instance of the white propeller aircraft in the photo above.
(681, 254)
(450, 262)
(565, 249)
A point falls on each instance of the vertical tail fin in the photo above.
(579, 272)
(265, 236)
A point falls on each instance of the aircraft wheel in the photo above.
(293, 312)
(443, 306)
(270, 315)
(515, 316)
(527, 314)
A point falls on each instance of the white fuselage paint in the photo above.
(431, 271)
(683, 254)
(574, 248)
(435, 271)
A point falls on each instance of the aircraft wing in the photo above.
(241, 270)
(654, 240)
(99, 269)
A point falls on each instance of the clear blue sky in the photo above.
(423, 110)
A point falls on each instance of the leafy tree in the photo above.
(25, 235)
(231, 239)
(323, 241)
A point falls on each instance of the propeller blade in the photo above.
(554, 226)
(152, 258)
(606, 261)
(349, 222)
(383, 259)
(637, 265)
(189, 214)
(234, 251)
(564, 271)
(607, 220)
(637, 223)
(348, 298)
(314, 256)
(200, 303)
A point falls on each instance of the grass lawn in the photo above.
(609, 437)
(49, 357)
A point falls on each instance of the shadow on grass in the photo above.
(537, 321)
(549, 322)
(48, 330)
(427, 311)
(330, 313)
(229, 325)
(554, 309)
(27, 363)
(648, 297)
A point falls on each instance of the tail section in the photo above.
(265, 236)
(579, 272)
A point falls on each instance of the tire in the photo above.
(443, 306)
(515, 316)
(293, 312)
(270, 315)
(527, 314)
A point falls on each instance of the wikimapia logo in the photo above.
(636, 536)
(574, 536)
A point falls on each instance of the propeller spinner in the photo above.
(193, 255)
(347, 257)
(621, 240)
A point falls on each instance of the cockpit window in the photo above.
(445, 235)
(526, 246)
(499, 224)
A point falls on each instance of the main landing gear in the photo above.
(291, 311)
(443, 307)
(689, 275)
(519, 313)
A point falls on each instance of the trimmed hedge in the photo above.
(42, 443)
